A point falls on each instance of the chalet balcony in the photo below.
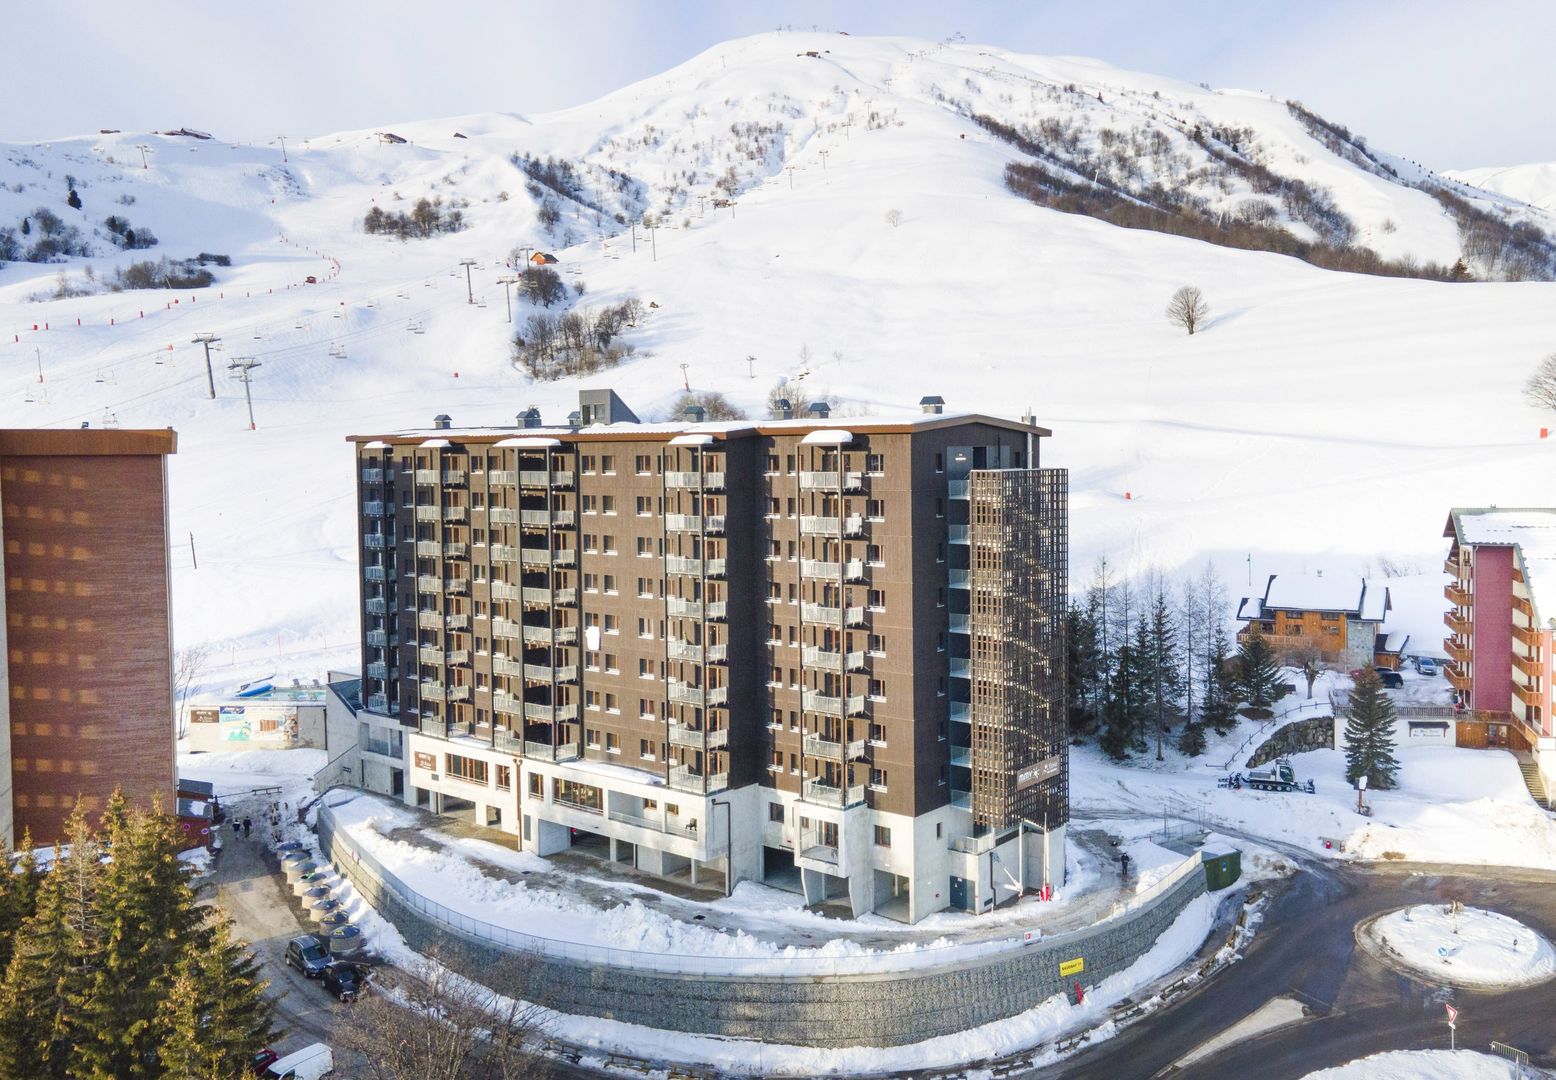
(1457, 596)
(1526, 636)
(1531, 669)
(1457, 623)
(1451, 566)
(1456, 651)
(1457, 677)
(1529, 695)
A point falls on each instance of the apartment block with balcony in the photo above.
(1500, 622)
(819, 652)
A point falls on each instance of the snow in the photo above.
(1532, 532)
(1534, 184)
(1310, 592)
(235, 772)
(886, 315)
(1477, 948)
(1422, 1065)
(1452, 806)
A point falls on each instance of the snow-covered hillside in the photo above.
(1533, 184)
(838, 220)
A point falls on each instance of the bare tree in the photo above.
(1187, 308)
(428, 1023)
(714, 405)
(1308, 659)
(188, 666)
(1540, 390)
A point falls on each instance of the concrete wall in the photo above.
(887, 1009)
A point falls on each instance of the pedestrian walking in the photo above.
(248, 827)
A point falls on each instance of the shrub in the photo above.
(428, 217)
(715, 406)
(541, 285)
(549, 347)
(162, 273)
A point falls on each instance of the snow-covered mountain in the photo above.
(827, 210)
(1532, 184)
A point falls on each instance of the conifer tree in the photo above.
(56, 955)
(1164, 666)
(1083, 669)
(215, 1012)
(1219, 708)
(1191, 740)
(150, 921)
(1257, 675)
(1369, 734)
(18, 893)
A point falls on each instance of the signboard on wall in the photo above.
(258, 723)
(426, 761)
(235, 723)
(1038, 772)
(1072, 967)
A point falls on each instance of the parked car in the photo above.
(1426, 665)
(262, 1061)
(309, 954)
(309, 1063)
(1392, 680)
(345, 980)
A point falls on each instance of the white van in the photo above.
(309, 1063)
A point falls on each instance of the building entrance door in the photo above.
(1496, 735)
(960, 894)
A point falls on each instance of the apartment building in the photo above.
(1500, 624)
(820, 652)
(86, 681)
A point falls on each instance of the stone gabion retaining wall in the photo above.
(887, 1009)
(1297, 738)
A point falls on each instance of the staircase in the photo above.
(1533, 782)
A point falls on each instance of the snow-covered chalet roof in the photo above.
(1530, 532)
(1347, 593)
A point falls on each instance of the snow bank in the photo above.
(1476, 948)
(1422, 1065)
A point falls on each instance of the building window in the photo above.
(882, 836)
(878, 689)
(537, 786)
(875, 464)
(610, 584)
(610, 545)
(592, 701)
(877, 734)
(612, 623)
(608, 504)
(875, 509)
(590, 504)
(645, 748)
(772, 464)
(645, 505)
(878, 779)
(645, 629)
(592, 738)
(611, 704)
(940, 463)
(645, 548)
(586, 463)
(612, 741)
(505, 777)
(878, 599)
(608, 464)
(646, 587)
(642, 464)
(465, 768)
(775, 810)
(877, 645)
(645, 669)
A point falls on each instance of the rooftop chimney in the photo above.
(784, 409)
(530, 418)
(442, 422)
(696, 414)
(820, 410)
(572, 419)
(932, 403)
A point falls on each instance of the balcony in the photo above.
(812, 525)
(1530, 668)
(680, 565)
(1531, 696)
(562, 479)
(961, 712)
(430, 654)
(1526, 636)
(459, 693)
(831, 481)
(825, 613)
(507, 704)
(429, 620)
(456, 515)
(825, 794)
(565, 673)
(433, 691)
(456, 586)
(547, 752)
(960, 579)
(852, 570)
(698, 695)
(426, 476)
(1457, 677)
(683, 523)
(376, 605)
(382, 639)
(374, 508)
(427, 513)
(506, 665)
(683, 779)
(454, 477)
(429, 548)
(851, 705)
(959, 534)
(696, 609)
(712, 481)
(959, 624)
(544, 519)
(428, 583)
(1457, 623)
(501, 478)
(698, 738)
(378, 703)
(824, 746)
(507, 628)
(666, 826)
(1457, 652)
(374, 573)
(550, 714)
(377, 669)
(456, 551)
(502, 515)
(957, 489)
(373, 476)
(534, 478)
(1457, 595)
(544, 635)
(456, 620)
(683, 650)
(377, 541)
(961, 667)
(828, 660)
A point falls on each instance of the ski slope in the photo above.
(1318, 421)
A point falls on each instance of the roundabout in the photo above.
(1470, 947)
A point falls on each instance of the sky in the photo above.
(1449, 84)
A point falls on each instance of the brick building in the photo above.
(87, 682)
(823, 653)
(1500, 626)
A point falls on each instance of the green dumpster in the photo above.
(1222, 869)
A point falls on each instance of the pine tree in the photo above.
(26, 226)
(57, 954)
(18, 895)
(73, 200)
(1219, 708)
(1369, 734)
(1191, 740)
(1164, 666)
(150, 920)
(215, 1012)
(1083, 669)
(1258, 676)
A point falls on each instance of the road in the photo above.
(250, 889)
(1306, 950)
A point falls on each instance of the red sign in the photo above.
(1453, 1014)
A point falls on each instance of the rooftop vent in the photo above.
(784, 409)
(572, 419)
(819, 410)
(442, 422)
(530, 418)
(932, 403)
(696, 414)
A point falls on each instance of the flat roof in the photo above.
(721, 429)
(1529, 531)
(87, 442)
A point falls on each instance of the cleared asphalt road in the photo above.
(1307, 950)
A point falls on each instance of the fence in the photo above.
(372, 878)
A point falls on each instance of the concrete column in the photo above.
(814, 885)
(549, 837)
(651, 860)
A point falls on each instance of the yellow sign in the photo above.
(1072, 967)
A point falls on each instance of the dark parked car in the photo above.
(308, 954)
(345, 980)
(262, 1061)
(1391, 679)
